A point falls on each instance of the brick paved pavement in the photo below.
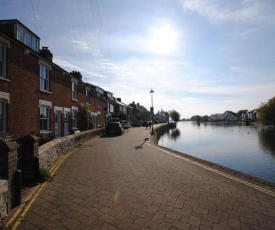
(124, 183)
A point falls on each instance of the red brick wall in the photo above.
(23, 72)
(4, 86)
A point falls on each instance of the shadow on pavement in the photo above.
(141, 145)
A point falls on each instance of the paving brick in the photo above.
(152, 209)
(71, 224)
(114, 186)
(180, 225)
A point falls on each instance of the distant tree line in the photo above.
(206, 117)
(265, 113)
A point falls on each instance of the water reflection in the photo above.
(267, 141)
(175, 134)
(244, 148)
(172, 132)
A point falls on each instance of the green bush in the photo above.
(44, 138)
(153, 132)
(44, 175)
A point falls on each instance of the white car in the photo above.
(125, 124)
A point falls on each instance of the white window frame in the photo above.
(74, 119)
(2, 60)
(3, 116)
(45, 126)
(4, 43)
(111, 106)
(88, 99)
(44, 81)
(98, 118)
(27, 38)
(98, 100)
(74, 90)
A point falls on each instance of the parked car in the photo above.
(114, 128)
(113, 120)
(125, 124)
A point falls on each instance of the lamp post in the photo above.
(152, 108)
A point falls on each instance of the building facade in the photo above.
(36, 95)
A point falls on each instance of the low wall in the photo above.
(3, 198)
(50, 151)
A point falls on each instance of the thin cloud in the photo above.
(222, 11)
(69, 66)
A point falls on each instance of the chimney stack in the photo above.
(46, 53)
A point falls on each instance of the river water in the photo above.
(247, 149)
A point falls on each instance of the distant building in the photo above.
(250, 115)
(223, 117)
(160, 117)
(140, 112)
(117, 108)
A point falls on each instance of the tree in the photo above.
(195, 118)
(229, 111)
(84, 116)
(166, 114)
(174, 115)
(122, 116)
(266, 112)
(205, 118)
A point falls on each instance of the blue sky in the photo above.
(199, 57)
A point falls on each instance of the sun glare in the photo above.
(164, 40)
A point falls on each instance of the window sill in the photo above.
(5, 79)
(44, 91)
(74, 99)
(45, 132)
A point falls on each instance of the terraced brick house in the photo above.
(140, 112)
(36, 95)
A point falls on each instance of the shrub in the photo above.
(153, 132)
(44, 175)
(44, 138)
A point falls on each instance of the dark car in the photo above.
(114, 128)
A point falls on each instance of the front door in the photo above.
(57, 123)
(66, 123)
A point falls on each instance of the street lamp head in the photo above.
(152, 92)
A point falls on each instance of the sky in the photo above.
(199, 57)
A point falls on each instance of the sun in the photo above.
(164, 40)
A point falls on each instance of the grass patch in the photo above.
(153, 132)
(44, 175)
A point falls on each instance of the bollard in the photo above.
(36, 168)
(17, 188)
